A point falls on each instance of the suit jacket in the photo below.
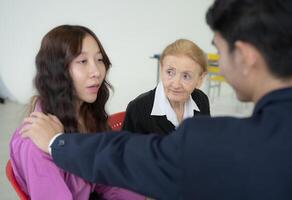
(205, 158)
(138, 114)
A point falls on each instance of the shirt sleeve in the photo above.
(51, 142)
(44, 180)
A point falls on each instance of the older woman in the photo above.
(177, 97)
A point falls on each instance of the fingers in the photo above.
(28, 120)
(35, 121)
(39, 115)
(55, 119)
(29, 124)
(48, 118)
(25, 131)
(28, 129)
(38, 120)
(58, 125)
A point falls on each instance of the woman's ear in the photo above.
(201, 79)
(245, 56)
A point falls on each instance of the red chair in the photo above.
(13, 182)
(116, 120)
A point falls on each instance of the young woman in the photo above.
(177, 97)
(71, 68)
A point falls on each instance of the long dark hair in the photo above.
(54, 84)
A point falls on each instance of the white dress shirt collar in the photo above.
(162, 107)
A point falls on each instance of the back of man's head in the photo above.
(266, 24)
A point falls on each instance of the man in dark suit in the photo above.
(205, 158)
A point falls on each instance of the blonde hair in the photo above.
(187, 48)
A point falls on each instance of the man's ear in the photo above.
(246, 55)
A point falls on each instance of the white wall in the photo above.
(130, 30)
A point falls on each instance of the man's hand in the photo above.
(41, 128)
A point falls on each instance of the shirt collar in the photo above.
(162, 107)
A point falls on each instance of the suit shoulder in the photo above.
(210, 124)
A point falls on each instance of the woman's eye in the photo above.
(170, 72)
(98, 60)
(82, 61)
(187, 77)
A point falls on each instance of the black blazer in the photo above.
(222, 158)
(138, 114)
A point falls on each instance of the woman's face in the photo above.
(180, 75)
(88, 71)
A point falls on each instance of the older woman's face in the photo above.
(180, 75)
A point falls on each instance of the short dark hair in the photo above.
(266, 24)
(54, 84)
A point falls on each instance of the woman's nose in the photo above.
(94, 70)
(176, 81)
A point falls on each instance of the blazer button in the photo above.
(61, 143)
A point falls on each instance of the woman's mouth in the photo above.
(176, 92)
(93, 89)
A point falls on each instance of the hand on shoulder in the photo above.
(41, 128)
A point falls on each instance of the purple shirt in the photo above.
(40, 178)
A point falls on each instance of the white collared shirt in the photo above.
(162, 107)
